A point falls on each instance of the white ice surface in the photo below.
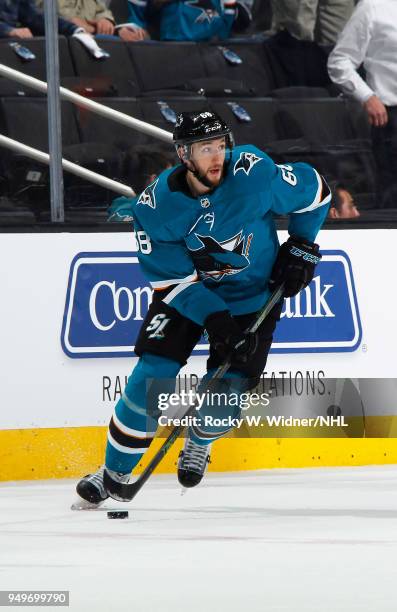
(314, 540)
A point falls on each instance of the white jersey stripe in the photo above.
(125, 449)
(174, 281)
(317, 202)
(178, 289)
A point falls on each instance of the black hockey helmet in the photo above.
(197, 126)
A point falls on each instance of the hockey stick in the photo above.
(126, 492)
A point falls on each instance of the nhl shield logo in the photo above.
(205, 203)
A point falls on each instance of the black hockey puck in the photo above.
(120, 514)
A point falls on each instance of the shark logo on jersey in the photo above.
(207, 11)
(246, 162)
(205, 203)
(216, 260)
(147, 197)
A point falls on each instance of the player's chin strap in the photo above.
(126, 492)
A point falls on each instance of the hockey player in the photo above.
(208, 245)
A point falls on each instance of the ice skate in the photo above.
(193, 460)
(91, 492)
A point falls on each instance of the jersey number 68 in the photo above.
(143, 242)
(287, 174)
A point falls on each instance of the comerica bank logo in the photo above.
(108, 298)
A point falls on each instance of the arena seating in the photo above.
(166, 66)
(94, 128)
(37, 67)
(152, 114)
(253, 72)
(261, 130)
(25, 119)
(117, 70)
(291, 123)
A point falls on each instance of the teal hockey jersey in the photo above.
(194, 20)
(215, 252)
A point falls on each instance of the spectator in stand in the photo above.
(370, 37)
(94, 17)
(144, 164)
(186, 20)
(343, 206)
(22, 19)
(313, 20)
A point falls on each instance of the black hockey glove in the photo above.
(294, 265)
(227, 338)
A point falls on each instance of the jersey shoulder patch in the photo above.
(164, 214)
(148, 196)
(246, 162)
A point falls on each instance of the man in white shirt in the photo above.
(370, 38)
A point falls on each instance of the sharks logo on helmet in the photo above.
(218, 259)
(148, 197)
(246, 162)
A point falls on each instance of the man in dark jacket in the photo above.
(21, 19)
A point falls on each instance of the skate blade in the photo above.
(82, 504)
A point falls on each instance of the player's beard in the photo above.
(205, 177)
(214, 179)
